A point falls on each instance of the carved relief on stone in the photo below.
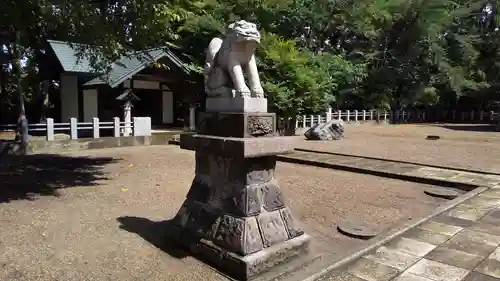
(248, 202)
(260, 125)
(239, 235)
(292, 225)
(272, 227)
(272, 197)
(227, 60)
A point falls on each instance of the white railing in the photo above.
(140, 126)
(361, 116)
(349, 116)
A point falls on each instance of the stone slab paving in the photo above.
(462, 244)
(393, 168)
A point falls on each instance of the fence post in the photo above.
(481, 115)
(296, 122)
(73, 128)
(319, 119)
(339, 112)
(371, 114)
(364, 115)
(116, 127)
(348, 116)
(142, 126)
(95, 128)
(329, 115)
(491, 115)
(385, 115)
(312, 120)
(49, 123)
(356, 115)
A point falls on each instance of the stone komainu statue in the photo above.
(228, 58)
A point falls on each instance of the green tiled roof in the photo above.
(122, 69)
(68, 57)
(128, 66)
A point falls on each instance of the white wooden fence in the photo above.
(140, 126)
(361, 116)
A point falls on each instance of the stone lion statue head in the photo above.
(243, 31)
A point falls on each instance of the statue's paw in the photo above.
(243, 92)
(258, 92)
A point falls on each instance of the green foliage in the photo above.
(354, 54)
(298, 82)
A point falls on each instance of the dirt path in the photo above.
(108, 225)
(464, 148)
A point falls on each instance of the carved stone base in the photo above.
(236, 104)
(236, 234)
(240, 125)
(234, 214)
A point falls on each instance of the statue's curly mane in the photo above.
(244, 29)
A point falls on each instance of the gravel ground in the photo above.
(462, 146)
(107, 226)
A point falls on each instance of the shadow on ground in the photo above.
(155, 233)
(469, 128)
(27, 176)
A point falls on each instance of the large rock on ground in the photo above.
(332, 130)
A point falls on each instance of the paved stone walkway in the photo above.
(459, 245)
(393, 169)
(462, 244)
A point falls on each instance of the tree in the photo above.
(108, 30)
(298, 82)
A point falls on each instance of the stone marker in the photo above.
(358, 230)
(332, 130)
(234, 216)
(432, 137)
(445, 193)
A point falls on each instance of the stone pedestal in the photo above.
(235, 104)
(234, 216)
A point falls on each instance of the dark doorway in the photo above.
(150, 104)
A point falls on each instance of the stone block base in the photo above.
(244, 147)
(236, 104)
(250, 266)
(242, 267)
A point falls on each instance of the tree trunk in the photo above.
(289, 128)
(22, 121)
(44, 101)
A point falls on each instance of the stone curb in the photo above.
(395, 233)
(61, 146)
(398, 161)
(424, 180)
